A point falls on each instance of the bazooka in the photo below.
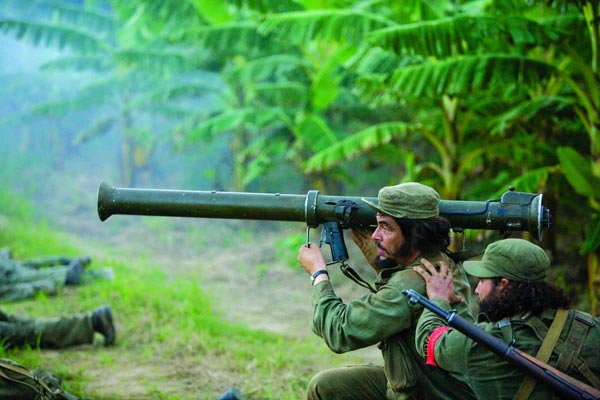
(513, 211)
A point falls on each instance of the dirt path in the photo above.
(245, 275)
(241, 268)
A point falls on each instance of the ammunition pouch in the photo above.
(18, 382)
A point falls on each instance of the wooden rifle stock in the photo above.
(584, 390)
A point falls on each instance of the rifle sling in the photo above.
(354, 276)
(544, 352)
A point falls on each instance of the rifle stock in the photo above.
(514, 211)
(561, 383)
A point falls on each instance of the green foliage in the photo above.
(530, 181)
(231, 39)
(592, 235)
(273, 67)
(12, 205)
(360, 142)
(267, 5)
(288, 95)
(96, 63)
(264, 152)
(287, 248)
(227, 121)
(95, 130)
(466, 96)
(578, 172)
(339, 25)
(465, 75)
(25, 242)
(214, 11)
(529, 110)
(63, 37)
(461, 34)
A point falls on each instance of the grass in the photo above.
(171, 345)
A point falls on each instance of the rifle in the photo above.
(514, 211)
(562, 384)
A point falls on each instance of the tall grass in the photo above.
(170, 344)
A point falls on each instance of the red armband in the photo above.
(433, 338)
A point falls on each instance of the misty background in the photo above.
(42, 163)
(152, 95)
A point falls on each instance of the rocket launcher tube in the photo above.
(514, 211)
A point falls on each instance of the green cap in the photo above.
(514, 259)
(407, 200)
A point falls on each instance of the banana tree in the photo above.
(275, 85)
(125, 73)
(395, 68)
(584, 174)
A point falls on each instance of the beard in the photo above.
(402, 252)
(384, 263)
(494, 305)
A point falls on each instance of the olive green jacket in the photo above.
(490, 376)
(386, 317)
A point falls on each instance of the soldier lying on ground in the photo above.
(57, 332)
(21, 280)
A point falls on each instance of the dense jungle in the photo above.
(275, 96)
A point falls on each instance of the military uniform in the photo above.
(56, 332)
(492, 377)
(23, 280)
(18, 282)
(575, 352)
(387, 318)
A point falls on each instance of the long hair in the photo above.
(425, 234)
(518, 297)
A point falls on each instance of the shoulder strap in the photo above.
(544, 352)
(581, 325)
(8, 370)
(354, 276)
(506, 328)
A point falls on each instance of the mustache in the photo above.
(378, 244)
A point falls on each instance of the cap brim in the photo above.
(374, 206)
(477, 269)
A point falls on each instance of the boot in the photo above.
(102, 323)
(74, 273)
(85, 260)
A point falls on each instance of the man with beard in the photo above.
(518, 306)
(408, 228)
